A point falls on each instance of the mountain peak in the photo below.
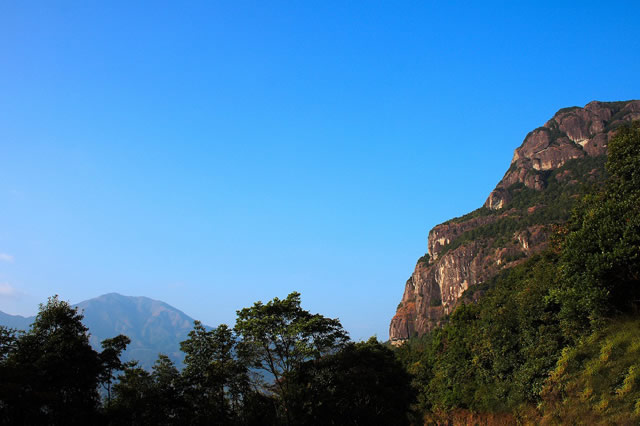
(544, 179)
(152, 325)
(572, 133)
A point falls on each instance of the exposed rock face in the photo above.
(470, 250)
(571, 133)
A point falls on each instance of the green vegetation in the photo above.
(615, 122)
(482, 211)
(554, 339)
(279, 365)
(435, 301)
(598, 380)
(551, 206)
(280, 336)
(567, 109)
(493, 355)
(363, 383)
(50, 374)
(424, 259)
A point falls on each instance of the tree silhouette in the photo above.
(54, 370)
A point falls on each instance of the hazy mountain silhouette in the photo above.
(15, 321)
(153, 326)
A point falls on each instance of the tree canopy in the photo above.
(280, 364)
(277, 337)
(528, 342)
(52, 373)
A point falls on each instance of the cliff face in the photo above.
(572, 133)
(537, 191)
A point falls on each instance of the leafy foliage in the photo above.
(424, 259)
(598, 380)
(558, 333)
(539, 334)
(551, 206)
(215, 379)
(311, 366)
(361, 384)
(280, 336)
(111, 363)
(601, 256)
(51, 373)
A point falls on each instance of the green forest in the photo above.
(279, 365)
(554, 340)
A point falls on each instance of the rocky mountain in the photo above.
(154, 327)
(548, 172)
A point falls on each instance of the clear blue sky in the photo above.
(218, 153)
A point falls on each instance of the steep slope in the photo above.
(547, 173)
(154, 327)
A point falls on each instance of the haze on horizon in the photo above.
(211, 155)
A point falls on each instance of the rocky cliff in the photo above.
(547, 173)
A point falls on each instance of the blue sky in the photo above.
(212, 154)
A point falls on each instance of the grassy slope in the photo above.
(597, 381)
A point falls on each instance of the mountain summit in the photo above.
(153, 326)
(548, 172)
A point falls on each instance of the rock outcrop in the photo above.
(537, 191)
(572, 133)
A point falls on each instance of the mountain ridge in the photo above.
(548, 172)
(152, 325)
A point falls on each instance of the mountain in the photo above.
(553, 166)
(154, 327)
(15, 321)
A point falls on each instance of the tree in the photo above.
(55, 372)
(601, 254)
(110, 357)
(623, 163)
(361, 384)
(8, 341)
(215, 378)
(10, 379)
(279, 336)
(168, 392)
(133, 398)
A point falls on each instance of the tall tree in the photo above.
(214, 377)
(279, 336)
(8, 341)
(362, 384)
(168, 392)
(142, 398)
(601, 253)
(133, 398)
(10, 383)
(55, 369)
(110, 357)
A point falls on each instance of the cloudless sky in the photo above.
(212, 154)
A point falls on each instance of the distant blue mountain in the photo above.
(15, 321)
(154, 327)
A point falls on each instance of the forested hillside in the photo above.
(554, 166)
(553, 340)
(279, 365)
